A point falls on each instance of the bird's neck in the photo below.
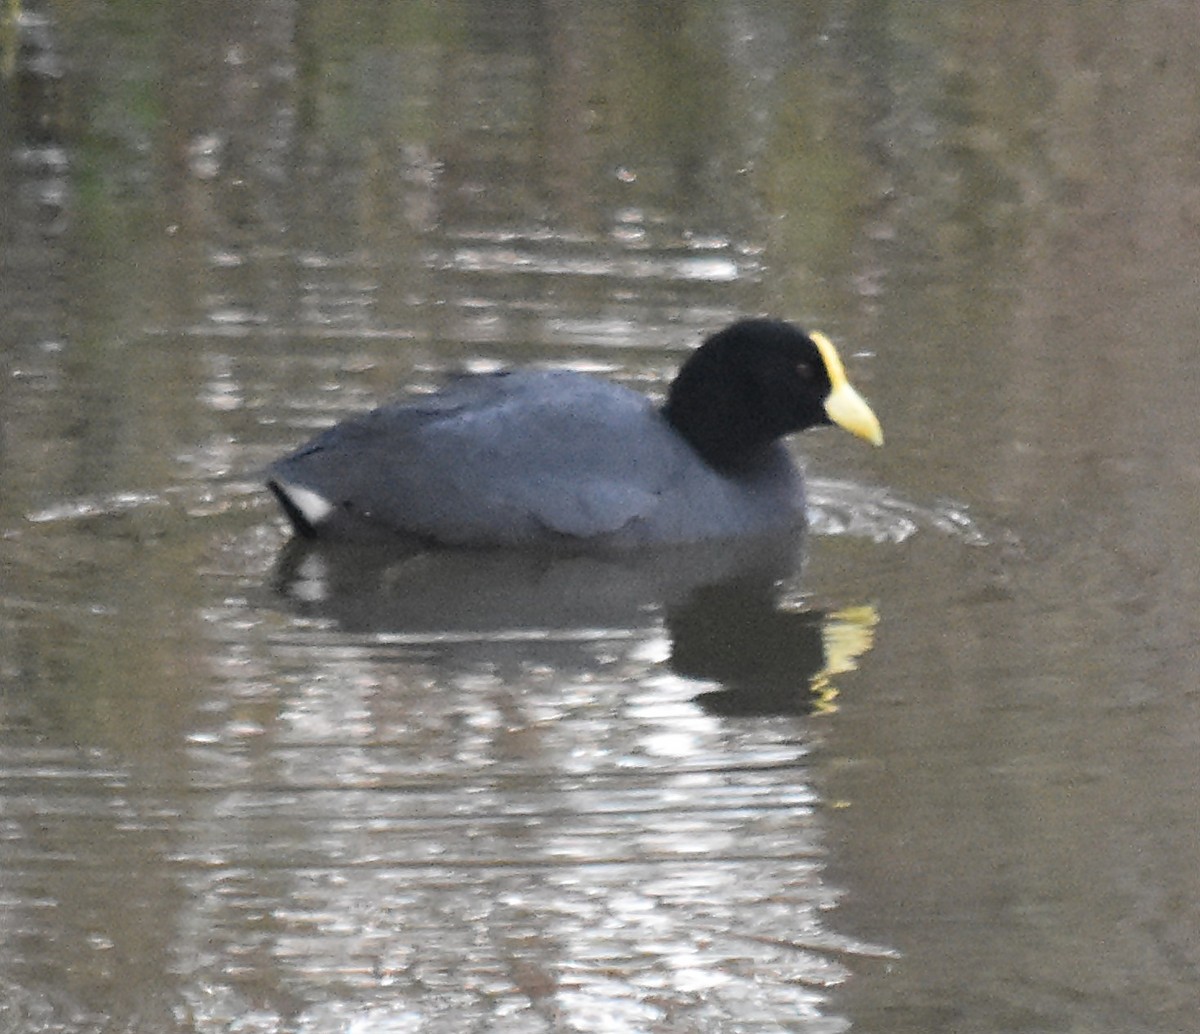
(719, 433)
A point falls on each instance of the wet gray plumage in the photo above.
(540, 456)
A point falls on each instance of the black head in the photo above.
(758, 380)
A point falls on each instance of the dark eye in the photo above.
(804, 371)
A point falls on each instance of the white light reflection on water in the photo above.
(601, 881)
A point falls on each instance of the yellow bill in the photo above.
(845, 406)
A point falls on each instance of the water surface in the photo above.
(931, 768)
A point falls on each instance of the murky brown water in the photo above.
(936, 768)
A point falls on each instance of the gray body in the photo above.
(529, 457)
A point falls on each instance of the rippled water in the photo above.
(930, 768)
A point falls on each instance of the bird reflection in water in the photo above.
(721, 610)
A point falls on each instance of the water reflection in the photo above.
(227, 809)
(500, 787)
(717, 610)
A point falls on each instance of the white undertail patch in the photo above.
(312, 507)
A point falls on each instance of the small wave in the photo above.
(95, 506)
(200, 500)
(861, 511)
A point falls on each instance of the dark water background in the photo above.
(935, 770)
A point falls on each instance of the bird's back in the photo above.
(524, 457)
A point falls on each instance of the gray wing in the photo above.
(501, 458)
